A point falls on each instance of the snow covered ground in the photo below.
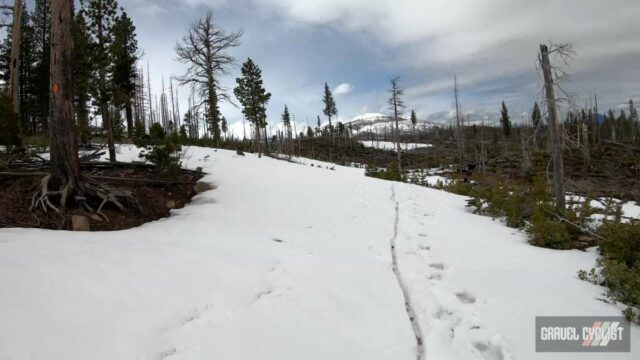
(288, 261)
(388, 145)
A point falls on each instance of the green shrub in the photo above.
(166, 157)
(460, 188)
(632, 315)
(548, 232)
(621, 260)
(392, 173)
(622, 242)
(157, 133)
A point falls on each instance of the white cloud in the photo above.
(343, 89)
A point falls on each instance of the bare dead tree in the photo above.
(554, 126)
(396, 105)
(205, 50)
(459, 127)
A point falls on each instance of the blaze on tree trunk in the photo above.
(556, 146)
(65, 166)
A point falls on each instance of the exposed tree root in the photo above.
(90, 191)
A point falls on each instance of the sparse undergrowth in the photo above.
(531, 209)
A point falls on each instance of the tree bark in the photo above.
(556, 147)
(65, 165)
(16, 40)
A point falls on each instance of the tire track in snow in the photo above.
(415, 326)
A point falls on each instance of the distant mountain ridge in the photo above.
(376, 122)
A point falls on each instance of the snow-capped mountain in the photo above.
(379, 123)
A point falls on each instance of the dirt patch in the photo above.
(155, 200)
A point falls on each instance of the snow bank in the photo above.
(288, 261)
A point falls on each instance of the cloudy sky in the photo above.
(357, 46)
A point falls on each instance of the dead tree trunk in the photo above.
(396, 105)
(556, 149)
(16, 40)
(460, 131)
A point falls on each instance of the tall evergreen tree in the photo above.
(536, 114)
(42, 49)
(124, 50)
(253, 98)
(330, 108)
(5, 59)
(101, 16)
(286, 121)
(82, 74)
(633, 112)
(224, 126)
(414, 122)
(30, 109)
(505, 121)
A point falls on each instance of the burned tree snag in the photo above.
(554, 126)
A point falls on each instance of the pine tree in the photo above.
(253, 98)
(286, 121)
(42, 30)
(536, 115)
(330, 108)
(414, 122)
(5, 59)
(633, 112)
(125, 53)
(30, 101)
(101, 16)
(224, 126)
(505, 121)
(82, 74)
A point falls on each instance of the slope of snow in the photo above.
(288, 261)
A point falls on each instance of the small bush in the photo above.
(165, 157)
(157, 133)
(460, 188)
(392, 173)
(621, 261)
(548, 232)
(632, 315)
